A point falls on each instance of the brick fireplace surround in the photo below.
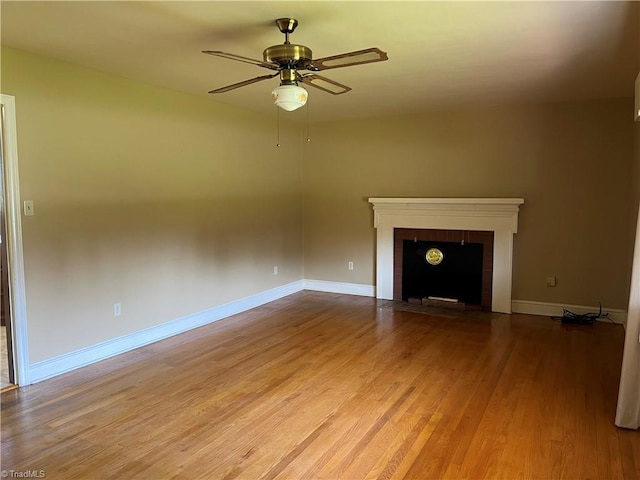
(497, 215)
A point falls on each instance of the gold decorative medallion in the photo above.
(434, 256)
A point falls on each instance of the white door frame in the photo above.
(15, 258)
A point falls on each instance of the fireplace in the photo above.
(461, 269)
(496, 215)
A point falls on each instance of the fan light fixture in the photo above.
(288, 60)
(289, 97)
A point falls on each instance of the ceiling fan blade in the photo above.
(359, 57)
(239, 58)
(242, 84)
(323, 83)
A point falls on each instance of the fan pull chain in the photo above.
(308, 134)
(278, 125)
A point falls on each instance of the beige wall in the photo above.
(168, 203)
(172, 204)
(571, 163)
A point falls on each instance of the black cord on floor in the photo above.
(583, 318)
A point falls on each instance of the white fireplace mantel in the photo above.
(498, 215)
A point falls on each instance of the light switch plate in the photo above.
(28, 208)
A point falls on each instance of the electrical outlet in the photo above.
(275, 270)
(117, 309)
(350, 265)
(551, 281)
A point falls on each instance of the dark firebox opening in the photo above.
(458, 276)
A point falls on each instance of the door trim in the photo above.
(17, 295)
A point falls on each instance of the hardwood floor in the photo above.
(323, 386)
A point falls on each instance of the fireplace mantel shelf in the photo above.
(444, 201)
(499, 215)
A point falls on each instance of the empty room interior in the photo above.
(320, 240)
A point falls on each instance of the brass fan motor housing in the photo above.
(288, 55)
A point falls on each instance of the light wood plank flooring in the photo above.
(323, 386)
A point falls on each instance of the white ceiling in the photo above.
(441, 54)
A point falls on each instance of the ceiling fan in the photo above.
(288, 59)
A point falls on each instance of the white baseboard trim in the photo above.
(556, 310)
(85, 356)
(340, 287)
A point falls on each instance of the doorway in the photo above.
(14, 353)
(7, 373)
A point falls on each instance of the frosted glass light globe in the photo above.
(289, 97)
